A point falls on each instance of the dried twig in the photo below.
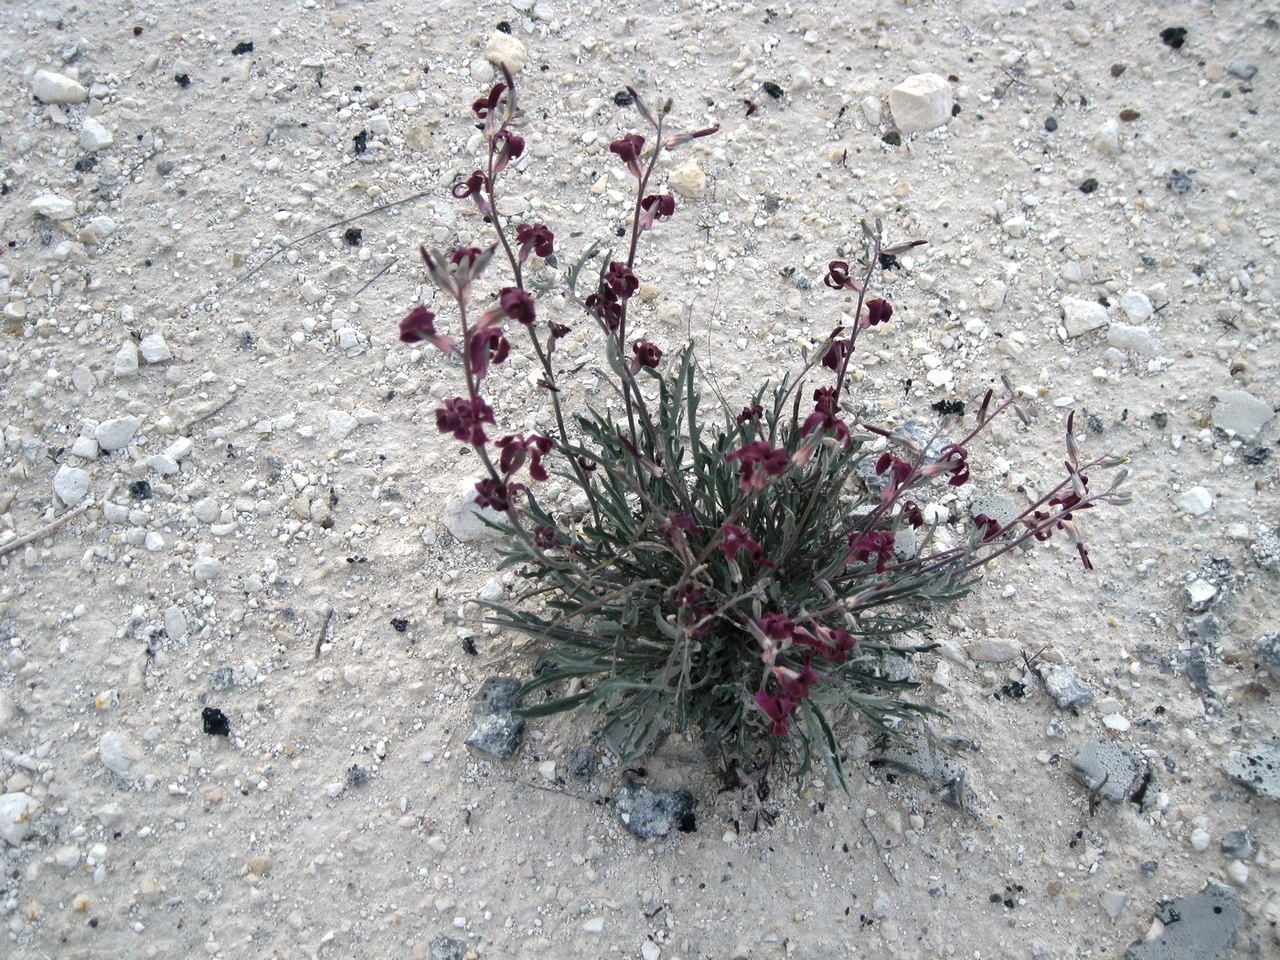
(880, 850)
(52, 525)
(324, 630)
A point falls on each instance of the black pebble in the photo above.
(353, 236)
(399, 624)
(361, 140)
(623, 98)
(183, 80)
(140, 490)
(504, 27)
(357, 776)
(1174, 37)
(1256, 456)
(893, 138)
(86, 163)
(216, 723)
(1051, 124)
(1179, 182)
(772, 89)
(1089, 185)
(469, 645)
(243, 47)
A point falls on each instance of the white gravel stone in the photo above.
(180, 449)
(17, 810)
(993, 650)
(922, 102)
(1081, 316)
(1134, 339)
(341, 424)
(1136, 305)
(175, 624)
(481, 71)
(50, 87)
(153, 542)
(594, 925)
(94, 136)
(1197, 501)
(1238, 871)
(205, 569)
(119, 754)
(53, 206)
(547, 770)
(206, 510)
(126, 362)
(1242, 413)
(504, 48)
(461, 516)
(117, 433)
(688, 181)
(1113, 903)
(1200, 839)
(164, 465)
(1116, 722)
(71, 484)
(86, 448)
(1106, 139)
(154, 349)
(650, 950)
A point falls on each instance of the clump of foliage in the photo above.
(747, 574)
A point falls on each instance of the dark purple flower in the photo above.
(912, 515)
(990, 526)
(838, 352)
(475, 187)
(495, 495)
(464, 418)
(776, 626)
(759, 462)
(628, 150)
(692, 609)
(657, 206)
(898, 469)
(838, 278)
(536, 237)
(753, 412)
(607, 307)
(621, 281)
(778, 710)
(517, 305)
(544, 538)
(646, 355)
(465, 257)
(677, 526)
(956, 462)
(831, 643)
(878, 311)
(737, 540)
(829, 424)
(485, 105)
(516, 448)
(485, 346)
(508, 146)
(796, 683)
(419, 325)
(877, 544)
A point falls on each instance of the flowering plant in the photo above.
(745, 574)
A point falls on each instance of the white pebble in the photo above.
(594, 925)
(50, 87)
(154, 349)
(118, 753)
(650, 950)
(94, 136)
(922, 102)
(71, 484)
(17, 810)
(205, 569)
(126, 362)
(1200, 839)
(1238, 871)
(116, 434)
(53, 206)
(1197, 501)
(504, 48)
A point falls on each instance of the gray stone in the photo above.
(16, 813)
(463, 518)
(497, 734)
(50, 87)
(1238, 844)
(496, 695)
(71, 484)
(154, 349)
(916, 752)
(1242, 69)
(1136, 339)
(1109, 769)
(1205, 627)
(53, 206)
(582, 761)
(1257, 768)
(116, 434)
(993, 650)
(341, 423)
(1241, 413)
(1209, 584)
(1267, 652)
(1200, 927)
(1266, 549)
(126, 362)
(119, 754)
(223, 678)
(646, 814)
(94, 136)
(1113, 903)
(1065, 686)
(922, 102)
(1197, 501)
(1081, 316)
(446, 948)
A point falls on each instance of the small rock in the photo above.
(1199, 927)
(919, 754)
(1242, 69)
(1257, 769)
(126, 362)
(496, 695)
(993, 650)
(205, 569)
(50, 87)
(1065, 687)
(1109, 769)
(1238, 845)
(504, 48)
(446, 948)
(547, 770)
(582, 761)
(86, 448)
(53, 206)
(1113, 903)
(1241, 413)
(594, 925)
(1081, 316)
(497, 734)
(922, 102)
(116, 434)
(94, 136)
(341, 424)
(215, 723)
(1136, 305)
(650, 950)
(1267, 652)
(1106, 139)
(154, 349)
(17, 810)
(1180, 182)
(1115, 721)
(71, 484)
(461, 516)
(1200, 839)
(1238, 872)
(481, 71)
(1197, 501)
(646, 814)
(1135, 339)
(1198, 595)
(1266, 548)
(119, 754)
(688, 181)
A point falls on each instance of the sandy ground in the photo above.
(295, 498)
